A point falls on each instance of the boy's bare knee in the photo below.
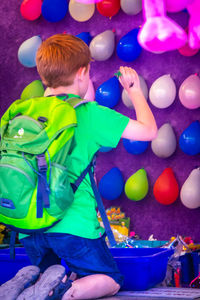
(116, 288)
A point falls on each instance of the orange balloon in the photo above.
(166, 189)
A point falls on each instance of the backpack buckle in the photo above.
(41, 162)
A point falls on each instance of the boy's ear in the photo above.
(81, 72)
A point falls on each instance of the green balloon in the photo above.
(136, 187)
(32, 90)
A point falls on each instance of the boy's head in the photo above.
(60, 57)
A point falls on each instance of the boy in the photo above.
(63, 63)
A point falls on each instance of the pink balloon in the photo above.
(176, 5)
(194, 24)
(31, 9)
(189, 92)
(90, 94)
(159, 33)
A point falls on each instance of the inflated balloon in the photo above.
(190, 191)
(135, 147)
(31, 9)
(194, 24)
(27, 51)
(162, 92)
(108, 93)
(189, 140)
(175, 6)
(164, 145)
(102, 45)
(136, 187)
(111, 184)
(90, 94)
(54, 10)
(105, 149)
(85, 36)
(128, 48)
(125, 97)
(187, 51)
(189, 92)
(32, 90)
(131, 7)
(166, 188)
(88, 1)
(159, 33)
(81, 12)
(108, 8)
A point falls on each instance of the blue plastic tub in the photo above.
(142, 268)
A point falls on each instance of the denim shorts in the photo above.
(82, 256)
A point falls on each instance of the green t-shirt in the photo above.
(97, 126)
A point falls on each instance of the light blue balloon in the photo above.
(189, 140)
(105, 149)
(128, 48)
(111, 184)
(135, 147)
(27, 51)
(108, 93)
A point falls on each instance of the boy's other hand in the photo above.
(129, 79)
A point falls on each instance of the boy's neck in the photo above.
(63, 90)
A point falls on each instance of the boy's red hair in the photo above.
(59, 58)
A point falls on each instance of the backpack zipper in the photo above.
(31, 119)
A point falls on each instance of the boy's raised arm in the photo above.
(144, 128)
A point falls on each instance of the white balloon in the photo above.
(102, 45)
(81, 12)
(131, 7)
(190, 191)
(125, 97)
(164, 144)
(163, 92)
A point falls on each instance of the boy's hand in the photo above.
(129, 79)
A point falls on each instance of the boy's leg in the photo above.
(92, 287)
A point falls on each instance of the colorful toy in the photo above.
(189, 140)
(189, 92)
(136, 187)
(194, 24)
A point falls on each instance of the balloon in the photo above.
(102, 45)
(187, 51)
(54, 10)
(159, 33)
(111, 184)
(194, 24)
(105, 149)
(33, 89)
(88, 1)
(175, 6)
(128, 48)
(189, 92)
(27, 51)
(81, 12)
(85, 36)
(108, 93)
(125, 97)
(190, 191)
(90, 94)
(108, 8)
(164, 145)
(166, 188)
(189, 140)
(162, 92)
(136, 187)
(131, 7)
(135, 147)
(31, 9)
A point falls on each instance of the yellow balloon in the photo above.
(136, 187)
(81, 12)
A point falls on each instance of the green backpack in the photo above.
(36, 138)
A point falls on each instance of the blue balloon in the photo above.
(108, 93)
(135, 147)
(27, 51)
(105, 149)
(85, 36)
(189, 140)
(54, 10)
(128, 48)
(111, 184)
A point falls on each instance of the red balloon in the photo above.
(31, 9)
(166, 188)
(108, 8)
(186, 50)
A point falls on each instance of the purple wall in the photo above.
(147, 216)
